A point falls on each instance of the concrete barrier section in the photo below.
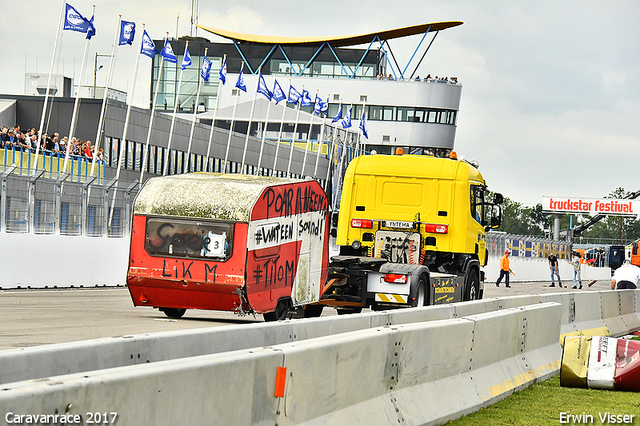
(235, 388)
(618, 311)
(588, 314)
(567, 318)
(65, 358)
(521, 357)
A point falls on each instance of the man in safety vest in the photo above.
(504, 270)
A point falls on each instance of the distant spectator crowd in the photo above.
(436, 79)
(27, 141)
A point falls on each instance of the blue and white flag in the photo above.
(317, 105)
(346, 121)
(325, 107)
(338, 115)
(306, 99)
(167, 52)
(278, 93)
(127, 32)
(262, 87)
(294, 96)
(206, 69)
(240, 83)
(186, 60)
(223, 72)
(363, 126)
(148, 48)
(74, 21)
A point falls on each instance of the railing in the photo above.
(526, 247)
(52, 163)
(47, 202)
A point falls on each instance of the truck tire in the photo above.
(281, 312)
(173, 312)
(421, 293)
(472, 287)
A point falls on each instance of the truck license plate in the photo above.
(398, 224)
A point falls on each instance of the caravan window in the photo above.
(190, 238)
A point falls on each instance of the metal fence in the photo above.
(526, 247)
(42, 203)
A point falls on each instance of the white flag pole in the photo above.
(264, 134)
(324, 120)
(233, 117)
(275, 158)
(341, 166)
(215, 112)
(295, 130)
(46, 96)
(246, 139)
(103, 110)
(306, 146)
(329, 164)
(173, 119)
(75, 105)
(358, 148)
(195, 114)
(151, 118)
(123, 141)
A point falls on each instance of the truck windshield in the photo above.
(191, 238)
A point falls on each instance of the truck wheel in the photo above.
(173, 312)
(472, 289)
(313, 311)
(421, 293)
(281, 312)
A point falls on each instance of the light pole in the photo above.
(95, 73)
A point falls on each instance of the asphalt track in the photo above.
(38, 317)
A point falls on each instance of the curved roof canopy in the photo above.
(353, 40)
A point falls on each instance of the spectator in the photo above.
(87, 151)
(626, 277)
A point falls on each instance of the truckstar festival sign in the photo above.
(591, 206)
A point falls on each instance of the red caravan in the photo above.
(228, 242)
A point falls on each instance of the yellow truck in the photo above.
(411, 231)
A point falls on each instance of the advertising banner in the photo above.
(592, 206)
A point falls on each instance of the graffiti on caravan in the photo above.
(274, 233)
(289, 200)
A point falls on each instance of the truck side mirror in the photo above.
(498, 198)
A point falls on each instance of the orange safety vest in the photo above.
(504, 263)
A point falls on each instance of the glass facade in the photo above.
(295, 63)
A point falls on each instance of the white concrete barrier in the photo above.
(617, 311)
(61, 261)
(422, 373)
(233, 388)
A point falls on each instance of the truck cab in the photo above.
(426, 212)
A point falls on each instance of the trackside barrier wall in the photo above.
(385, 375)
(581, 315)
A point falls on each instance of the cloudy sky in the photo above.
(551, 89)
